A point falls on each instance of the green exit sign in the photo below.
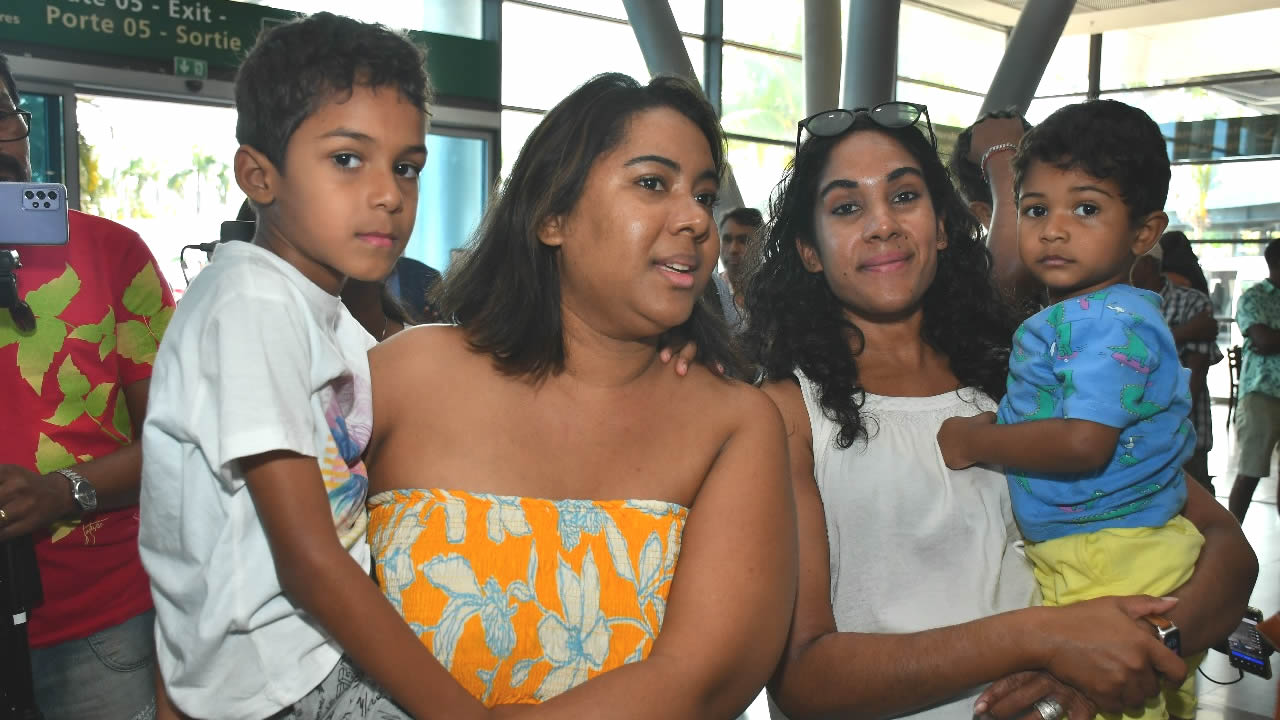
(185, 67)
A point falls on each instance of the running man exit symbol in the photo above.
(186, 67)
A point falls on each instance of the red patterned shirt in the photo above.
(100, 307)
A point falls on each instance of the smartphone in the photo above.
(33, 214)
(1247, 649)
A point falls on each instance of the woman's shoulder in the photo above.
(735, 403)
(412, 345)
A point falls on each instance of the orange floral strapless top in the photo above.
(522, 599)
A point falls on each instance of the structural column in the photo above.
(871, 60)
(664, 54)
(821, 55)
(1027, 55)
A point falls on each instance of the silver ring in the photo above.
(1048, 708)
(3, 515)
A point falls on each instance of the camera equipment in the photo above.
(231, 230)
(1247, 649)
(9, 297)
(19, 592)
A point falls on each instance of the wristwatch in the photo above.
(81, 490)
(1166, 631)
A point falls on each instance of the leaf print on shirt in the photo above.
(36, 349)
(139, 340)
(103, 333)
(578, 641)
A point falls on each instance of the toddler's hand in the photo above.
(953, 439)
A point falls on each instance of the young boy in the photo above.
(253, 495)
(1093, 430)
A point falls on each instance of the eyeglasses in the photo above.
(14, 124)
(894, 114)
(9, 298)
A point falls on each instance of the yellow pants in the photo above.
(1124, 561)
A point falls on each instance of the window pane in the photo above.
(946, 107)
(967, 58)
(1183, 104)
(172, 188)
(762, 94)
(451, 197)
(774, 24)
(45, 137)
(552, 53)
(1228, 200)
(690, 14)
(516, 128)
(1043, 108)
(1175, 52)
(1068, 70)
(757, 167)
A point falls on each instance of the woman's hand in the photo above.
(1013, 697)
(953, 439)
(1102, 647)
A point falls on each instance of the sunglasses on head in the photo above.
(893, 114)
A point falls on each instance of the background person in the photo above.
(738, 230)
(1258, 411)
(75, 393)
(1189, 314)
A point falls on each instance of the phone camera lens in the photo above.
(47, 206)
(29, 195)
(40, 194)
(53, 195)
(35, 203)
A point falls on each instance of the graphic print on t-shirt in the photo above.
(345, 478)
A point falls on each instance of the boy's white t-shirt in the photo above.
(257, 358)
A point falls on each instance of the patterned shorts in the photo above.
(346, 694)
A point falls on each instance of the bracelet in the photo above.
(999, 147)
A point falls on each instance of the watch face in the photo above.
(85, 495)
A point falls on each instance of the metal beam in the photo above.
(1095, 66)
(664, 54)
(821, 55)
(1159, 13)
(871, 59)
(1027, 54)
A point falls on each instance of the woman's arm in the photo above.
(730, 601)
(319, 576)
(1212, 602)
(1094, 645)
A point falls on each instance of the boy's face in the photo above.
(1074, 231)
(345, 202)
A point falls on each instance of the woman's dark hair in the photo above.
(295, 68)
(506, 289)
(1108, 140)
(795, 321)
(1181, 259)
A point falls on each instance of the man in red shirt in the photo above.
(74, 393)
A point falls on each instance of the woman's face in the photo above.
(638, 249)
(877, 236)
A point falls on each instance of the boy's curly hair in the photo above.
(795, 321)
(296, 67)
(1108, 140)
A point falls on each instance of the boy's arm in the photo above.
(1053, 445)
(319, 576)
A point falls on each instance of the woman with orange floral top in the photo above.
(572, 530)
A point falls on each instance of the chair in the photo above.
(1235, 358)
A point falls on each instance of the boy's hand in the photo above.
(954, 439)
